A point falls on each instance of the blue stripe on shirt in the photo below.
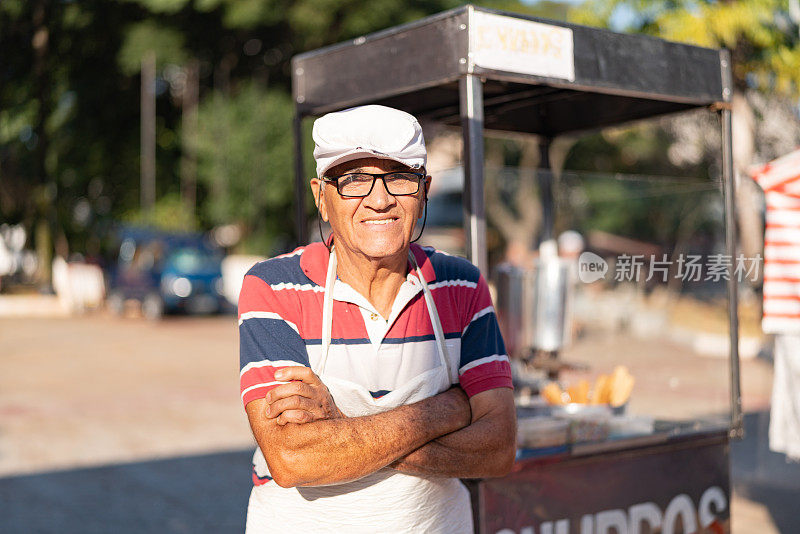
(280, 270)
(386, 341)
(269, 339)
(452, 267)
(481, 339)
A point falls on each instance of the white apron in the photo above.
(387, 500)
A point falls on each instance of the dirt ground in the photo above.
(95, 398)
(99, 390)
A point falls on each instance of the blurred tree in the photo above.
(29, 100)
(69, 128)
(169, 213)
(70, 115)
(245, 149)
(168, 44)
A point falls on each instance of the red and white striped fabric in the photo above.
(780, 180)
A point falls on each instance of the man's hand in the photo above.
(304, 399)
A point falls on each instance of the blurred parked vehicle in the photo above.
(167, 273)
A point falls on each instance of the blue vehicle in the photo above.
(166, 273)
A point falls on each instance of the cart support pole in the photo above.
(545, 177)
(471, 96)
(301, 228)
(729, 189)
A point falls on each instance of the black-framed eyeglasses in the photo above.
(360, 184)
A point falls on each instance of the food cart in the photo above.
(488, 70)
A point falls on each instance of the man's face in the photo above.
(376, 226)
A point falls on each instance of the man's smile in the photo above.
(386, 220)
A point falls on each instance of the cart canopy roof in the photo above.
(540, 76)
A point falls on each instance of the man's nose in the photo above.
(379, 198)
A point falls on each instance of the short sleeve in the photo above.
(268, 339)
(484, 363)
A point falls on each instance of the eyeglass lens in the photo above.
(361, 184)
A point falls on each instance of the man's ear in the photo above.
(424, 197)
(317, 188)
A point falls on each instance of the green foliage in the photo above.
(320, 22)
(149, 36)
(246, 154)
(250, 14)
(649, 208)
(542, 8)
(622, 181)
(14, 122)
(12, 8)
(170, 214)
(162, 6)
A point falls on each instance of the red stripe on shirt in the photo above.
(255, 293)
(775, 186)
(255, 376)
(786, 279)
(257, 393)
(260, 481)
(490, 375)
(780, 261)
(782, 315)
(782, 226)
(772, 243)
(258, 375)
(773, 208)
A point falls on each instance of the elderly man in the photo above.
(373, 372)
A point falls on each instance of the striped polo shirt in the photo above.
(780, 180)
(280, 325)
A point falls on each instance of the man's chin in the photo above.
(379, 251)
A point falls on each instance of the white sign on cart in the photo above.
(522, 46)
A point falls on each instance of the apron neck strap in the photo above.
(327, 312)
(433, 313)
(327, 315)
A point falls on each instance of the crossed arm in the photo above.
(484, 448)
(308, 442)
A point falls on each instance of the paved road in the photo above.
(111, 425)
(768, 487)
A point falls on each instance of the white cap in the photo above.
(368, 132)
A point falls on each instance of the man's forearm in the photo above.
(476, 451)
(339, 450)
(485, 448)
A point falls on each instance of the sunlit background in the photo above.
(146, 161)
